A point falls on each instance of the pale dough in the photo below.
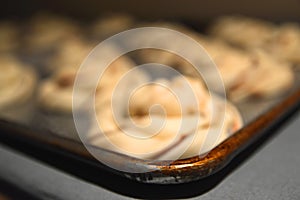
(17, 82)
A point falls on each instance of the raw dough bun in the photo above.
(110, 25)
(243, 31)
(147, 142)
(246, 74)
(268, 77)
(56, 93)
(148, 134)
(285, 44)
(46, 31)
(168, 141)
(17, 82)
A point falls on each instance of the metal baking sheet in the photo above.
(46, 135)
(39, 128)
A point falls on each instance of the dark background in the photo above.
(202, 10)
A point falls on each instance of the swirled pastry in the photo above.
(281, 41)
(243, 31)
(17, 82)
(56, 93)
(110, 25)
(267, 77)
(285, 43)
(46, 31)
(153, 135)
(241, 69)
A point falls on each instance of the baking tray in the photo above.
(46, 131)
(202, 174)
(34, 134)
